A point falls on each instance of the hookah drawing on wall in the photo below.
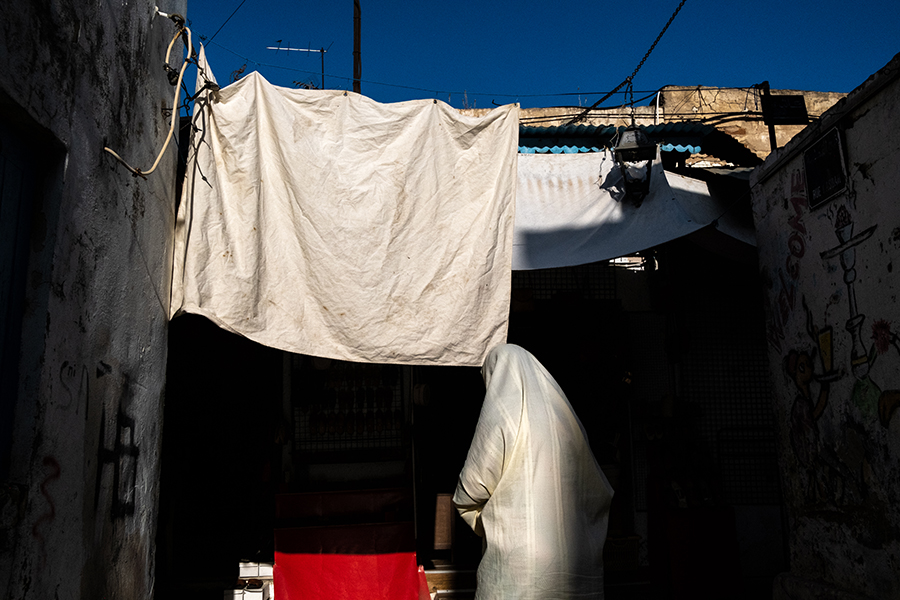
(866, 395)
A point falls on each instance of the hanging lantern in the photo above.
(634, 153)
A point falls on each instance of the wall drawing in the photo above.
(52, 465)
(833, 313)
(826, 479)
(831, 470)
(866, 395)
(124, 458)
(75, 381)
(784, 285)
(123, 454)
(884, 340)
(117, 449)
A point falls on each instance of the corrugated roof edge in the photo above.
(682, 133)
(585, 149)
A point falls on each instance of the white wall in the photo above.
(833, 278)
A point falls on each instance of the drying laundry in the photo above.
(322, 222)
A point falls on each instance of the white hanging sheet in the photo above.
(570, 211)
(328, 224)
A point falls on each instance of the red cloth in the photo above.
(371, 561)
(346, 576)
(424, 594)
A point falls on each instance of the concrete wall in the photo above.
(834, 350)
(78, 505)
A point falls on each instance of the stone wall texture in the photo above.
(738, 112)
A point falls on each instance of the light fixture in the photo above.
(634, 154)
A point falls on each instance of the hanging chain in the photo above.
(659, 37)
(631, 98)
(630, 78)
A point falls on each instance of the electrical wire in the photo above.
(649, 93)
(629, 79)
(396, 85)
(181, 29)
(226, 20)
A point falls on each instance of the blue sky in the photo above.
(546, 53)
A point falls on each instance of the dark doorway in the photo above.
(220, 451)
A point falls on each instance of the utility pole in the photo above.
(357, 59)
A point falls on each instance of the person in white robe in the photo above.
(532, 488)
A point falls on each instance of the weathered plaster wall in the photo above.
(555, 116)
(833, 325)
(77, 517)
(738, 112)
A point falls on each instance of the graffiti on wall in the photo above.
(117, 449)
(75, 382)
(123, 458)
(826, 478)
(52, 473)
(859, 348)
(844, 361)
(120, 454)
(786, 278)
(867, 395)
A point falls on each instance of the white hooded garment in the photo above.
(532, 488)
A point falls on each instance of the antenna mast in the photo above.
(321, 51)
(357, 58)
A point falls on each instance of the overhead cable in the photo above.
(226, 20)
(649, 93)
(629, 79)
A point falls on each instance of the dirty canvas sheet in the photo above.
(569, 211)
(325, 223)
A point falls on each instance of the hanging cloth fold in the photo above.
(325, 223)
(570, 211)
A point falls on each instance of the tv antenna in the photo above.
(321, 51)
